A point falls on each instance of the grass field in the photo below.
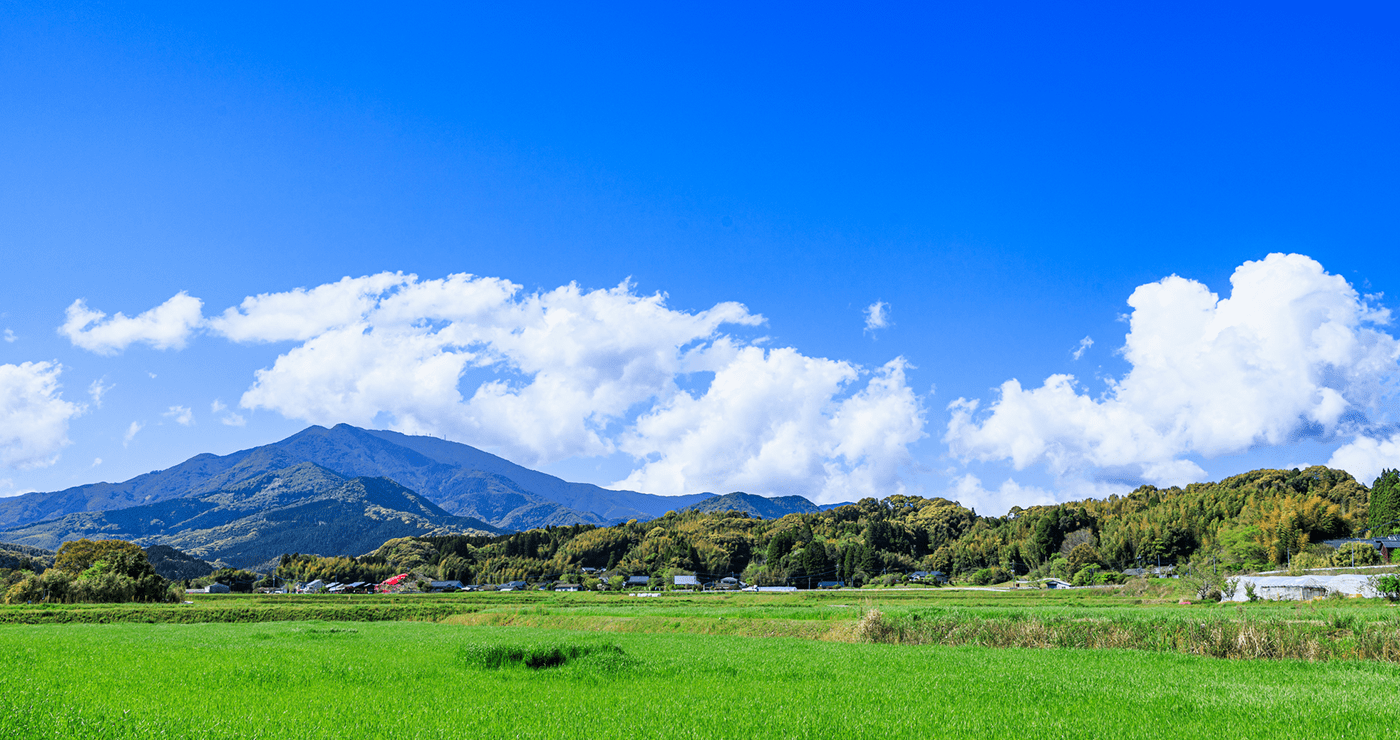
(1319, 630)
(704, 666)
(396, 679)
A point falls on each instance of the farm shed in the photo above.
(1300, 588)
(830, 584)
(638, 581)
(687, 581)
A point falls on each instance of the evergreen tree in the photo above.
(1385, 503)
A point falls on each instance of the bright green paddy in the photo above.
(411, 680)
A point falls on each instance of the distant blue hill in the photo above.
(303, 508)
(464, 481)
(765, 507)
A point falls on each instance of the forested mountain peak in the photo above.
(461, 479)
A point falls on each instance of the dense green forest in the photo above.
(1248, 522)
(85, 571)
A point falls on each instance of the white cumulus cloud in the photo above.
(563, 365)
(33, 415)
(10, 335)
(969, 491)
(544, 376)
(167, 326)
(97, 389)
(131, 431)
(1084, 345)
(1293, 351)
(1366, 456)
(233, 420)
(301, 314)
(778, 422)
(877, 316)
(183, 415)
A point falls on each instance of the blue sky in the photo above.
(999, 180)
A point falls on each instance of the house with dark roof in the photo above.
(830, 584)
(638, 581)
(1384, 545)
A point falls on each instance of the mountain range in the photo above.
(303, 508)
(331, 491)
(463, 480)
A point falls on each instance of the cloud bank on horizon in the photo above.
(1294, 352)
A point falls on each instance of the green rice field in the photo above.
(396, 679)
(705, 666)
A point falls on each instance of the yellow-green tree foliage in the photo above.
(79, 555)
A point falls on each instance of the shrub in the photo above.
(1082, 556)
(988, 576)
(52, 586)
(874, 626)
(1359, 553)
(1306, 560)
(1388, 586)
(103, 588)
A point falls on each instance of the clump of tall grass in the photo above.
(538, 657)
(1341, 637)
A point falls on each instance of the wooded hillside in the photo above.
(1246, 522)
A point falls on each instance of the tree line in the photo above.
(1248, 522)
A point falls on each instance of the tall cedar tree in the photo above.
(1385, 503)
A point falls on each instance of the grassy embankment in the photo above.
(1100, 618)
(416, 680)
